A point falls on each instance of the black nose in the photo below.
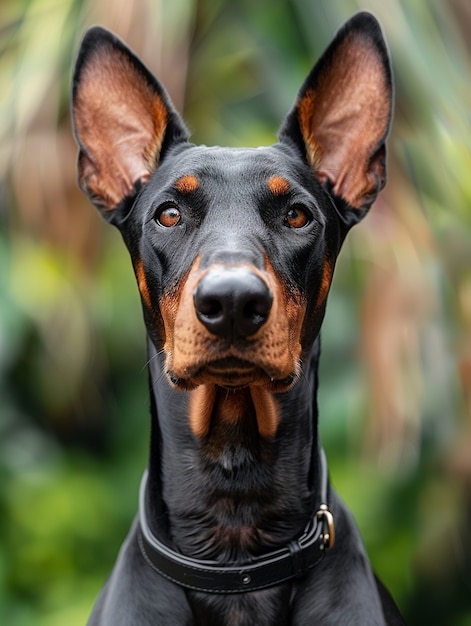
(232, 302)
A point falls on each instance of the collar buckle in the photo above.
(328, 531)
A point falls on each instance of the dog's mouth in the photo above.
(234, 373)
(231, 372)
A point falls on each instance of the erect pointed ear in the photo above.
(342, 115)
(123, 121)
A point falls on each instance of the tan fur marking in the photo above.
(206, 402)
(278, 185)
(289, 313)
(169, 305)
(201, 409)
(233, 406)
(142, 284)
(266, 411)
(327, 271)
(187, 184)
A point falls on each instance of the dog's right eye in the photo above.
(297, 217)
(168, 216)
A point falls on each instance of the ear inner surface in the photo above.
(120, 122)
(345, 119)
(344, 111)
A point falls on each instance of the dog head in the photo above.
(234, 249)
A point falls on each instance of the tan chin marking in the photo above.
(202, 401)
(266, 411)
(208, 402)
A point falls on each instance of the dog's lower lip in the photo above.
(230, 364)
(231, 373)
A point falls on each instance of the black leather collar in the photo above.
(270, 569)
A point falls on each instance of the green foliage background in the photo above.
(396, 369)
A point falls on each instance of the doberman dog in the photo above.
(234, 250)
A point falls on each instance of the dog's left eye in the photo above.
(297, 217)
(169, 216)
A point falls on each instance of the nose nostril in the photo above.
(256, 311)
(210, 308)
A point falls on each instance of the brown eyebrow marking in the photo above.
(187, 184)
(278, 185)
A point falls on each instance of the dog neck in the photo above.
(231, 493)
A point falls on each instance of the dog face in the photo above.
(216, 219)
(234, 249)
